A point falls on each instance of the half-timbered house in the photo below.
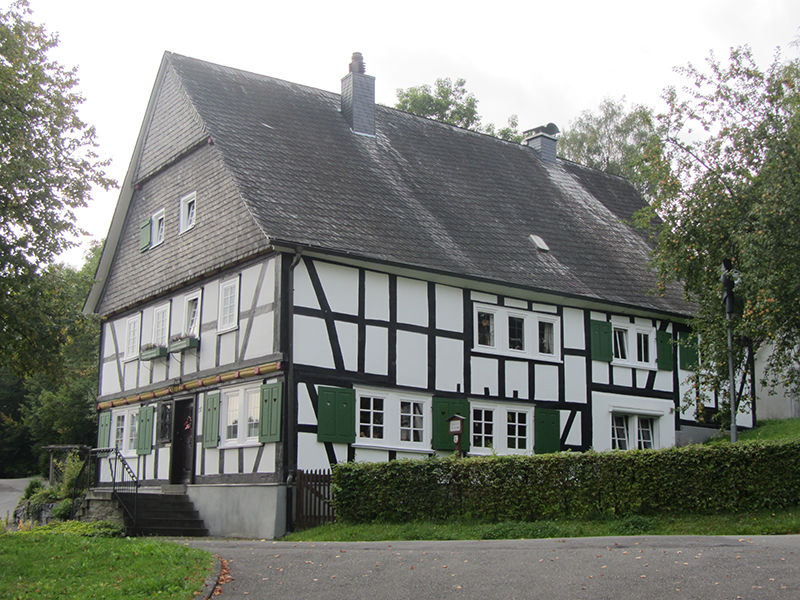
(295, 278)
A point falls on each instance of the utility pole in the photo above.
(727, 298)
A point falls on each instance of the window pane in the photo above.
(621, 343)
(642, 347)
(546, 338)
(370, 418)
(119, 431)
(619, 432)
(645, 434)
(516, 333)
(485, 328)
(517, 430)
(232, 415)
(482, 420)
(253, 400)
(132, 424)
(192, 314)
(411, 421)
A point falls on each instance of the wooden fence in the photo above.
(313, 499)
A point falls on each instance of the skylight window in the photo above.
(539, 243)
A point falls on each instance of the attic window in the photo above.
(539, 243)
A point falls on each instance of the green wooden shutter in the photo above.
(688, 358)
(546, 430)
(144, 430)
(269, 425)
(600, 332)
(144, 235)
(664, 346)
(336, 415)
(211, 420)
(443, 409)
(104, 429)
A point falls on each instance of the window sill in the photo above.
(376, 446)
(634, 365)
(517, 354)
(247, 444)
(228, 329)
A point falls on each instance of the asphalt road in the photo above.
(683, 567)
(10, 492)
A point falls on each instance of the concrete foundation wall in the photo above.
(694, 435)
(241, 510)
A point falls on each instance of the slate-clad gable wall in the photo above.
(175, 126)
(224, 232)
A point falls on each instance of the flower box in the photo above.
(152, 352)
(181, 344)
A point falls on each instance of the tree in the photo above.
(727, 187)
(48, 166)
(450, 102)
(612, 140)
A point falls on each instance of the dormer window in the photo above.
(516, 332)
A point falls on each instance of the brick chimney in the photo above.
(358, 98)
(543, 140)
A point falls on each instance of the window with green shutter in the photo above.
(104, 429)
(336, 415)
(547, 430)
(270, 414)
(600, 332)
(688, 359)
(211, 420)
(664, 346)
(443, 409)
(144, 235)
(144, 430)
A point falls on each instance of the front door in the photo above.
(182, 463)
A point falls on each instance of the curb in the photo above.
(211, 581)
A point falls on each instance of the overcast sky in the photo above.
(543, 61)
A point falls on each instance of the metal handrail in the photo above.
(126, 483)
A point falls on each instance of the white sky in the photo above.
(544, 61)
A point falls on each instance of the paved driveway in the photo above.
(679, 567)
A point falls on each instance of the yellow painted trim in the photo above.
(193, 385)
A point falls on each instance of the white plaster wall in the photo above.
(623, 376)
(412, 359)
(109, 378)
(574, 334)
(348, 343)
(261, 338)
(376, 351)
(371, 455)
(483, 297)
(449, 364)
(663, 382)
(164, 454)
(449, 308)
(305, 410)
(130, 374)
(517, 379)
(545, 308)
(600, 372)
(310, 453)
(212, 460)
(340, 285)
(376, 296)
(227, 345)
(574, 436)
(311, 343)
(546, 382)
(241, 510)
(603, 405)
(412, 301)
(484, 374)
(230, 458)
(303, 290)
(575, 379)
(515, 303)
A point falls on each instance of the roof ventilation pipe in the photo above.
(358, 97)
(543, 140)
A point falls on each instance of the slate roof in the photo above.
(421, 193)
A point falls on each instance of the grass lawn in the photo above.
(775, 430)
(56, 563)
(767, 522)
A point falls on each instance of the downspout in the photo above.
(290, 455)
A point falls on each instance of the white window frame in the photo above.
(632, 332)
(478, 438)
(224, 324)
(162, 340)
(247, 401)
(531, 321)
(185, 223)
(188, 328)
(130, 418)
(155, 238)
(392, 425)
(632, 438)
(133, 332)
(500, 428)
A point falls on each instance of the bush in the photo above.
(78, 528)
(71, 468)
(693, 479)
(62, 510)
(34, 485)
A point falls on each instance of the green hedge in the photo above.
(693, 479)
